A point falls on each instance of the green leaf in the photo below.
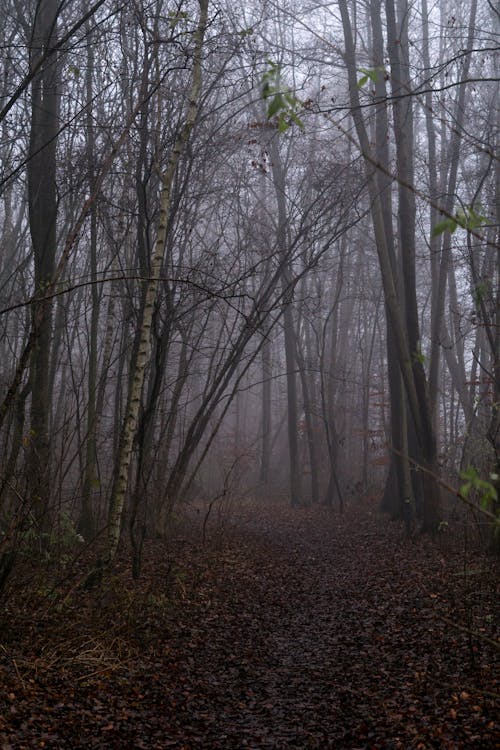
(371, 73)
(266, 90)
(466, 218)
(284, 104)
(297, 121)
(447, 225)
(283, 125)
(487, 492)
(277, 104)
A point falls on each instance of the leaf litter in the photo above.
(295, 629)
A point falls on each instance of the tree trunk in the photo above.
(411, 369)
(86, 524)
(288, 326)
(136, 382)
(439, 291)
(266, 420)
(42, 198)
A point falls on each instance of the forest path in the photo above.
(294, 629)
(329, 634)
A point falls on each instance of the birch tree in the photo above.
(139, 365)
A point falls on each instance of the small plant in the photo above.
(486, 491)
(472, 481)
(59, 543)
(418, 356)
(283, 104)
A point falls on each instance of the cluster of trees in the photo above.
(252, 248)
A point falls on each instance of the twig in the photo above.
(18, 673)
(464, 629)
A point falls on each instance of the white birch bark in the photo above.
(129, 427)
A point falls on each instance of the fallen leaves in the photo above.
(305, 630)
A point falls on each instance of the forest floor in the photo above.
(286, 629)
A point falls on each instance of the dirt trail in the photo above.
(306, 630)
(332, 636)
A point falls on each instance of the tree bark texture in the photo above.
(42, 198)
(137, 376)
(401, 319)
